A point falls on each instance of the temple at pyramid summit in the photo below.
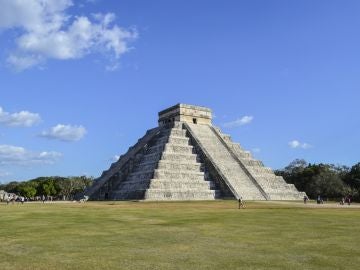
(187, 158)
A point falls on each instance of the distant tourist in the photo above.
(348, 200)
(319, 200)
(43, 198)
(305, 199)
(241, 203)
(342, 201)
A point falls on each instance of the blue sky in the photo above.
(81, 81)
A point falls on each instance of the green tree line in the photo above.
(330, 181)
(63, 188)
(327, 180)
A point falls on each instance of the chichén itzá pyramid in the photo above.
(187, 158)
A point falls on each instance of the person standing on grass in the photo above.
(318, 200)
(342, 201)
(305, 199)
(241, 203)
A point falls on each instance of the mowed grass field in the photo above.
(179, 235)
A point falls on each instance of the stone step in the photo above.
(237, 146)
(179, 140)
(266, 178)
(177, 132)
(193, 166)
(264, 175)
(151, 157)
(181, 149)
(174, 194)
(165, 194)
(248, 189)
(280, 179)
(269, 179)
(242, 154)
(145, 166)
(184, 185)
(141, 175)
(168, 156)
(171, 174)
(260, 170)
(139, 183)
(226, 137)
(162, 140)
(134, 185)
(292, 187)
(251, 162)
(158, 148)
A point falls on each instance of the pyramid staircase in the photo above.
(247, 176)
(274, 186)
(168, 170)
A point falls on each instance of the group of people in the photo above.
(346, 200)
(319, 200)
(12, 198)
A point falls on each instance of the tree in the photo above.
(353, 177)
(294, 173)
(66, 188)
(297, 165)
(27, 189)
(353, 180)
(56, 186)
(69, 187)
(325, 181)
(12, 187)
(48, 187)
(316, 179)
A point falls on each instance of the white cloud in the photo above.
(15, 155)
(296, 144)
(48, 31)
(115, 158)
(65, 133)
(240, 121)
(256, 150)
(19, 119)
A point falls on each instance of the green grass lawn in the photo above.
(178, 235)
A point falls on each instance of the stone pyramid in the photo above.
(187, 158)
